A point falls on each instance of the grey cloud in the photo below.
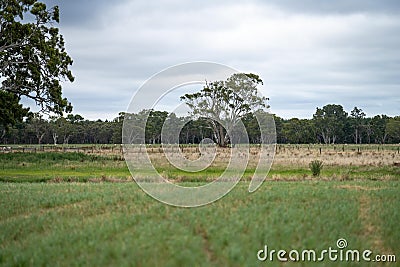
(337, 6)
(309, 53)
(82, 13)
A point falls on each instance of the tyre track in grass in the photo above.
(371, 225)
(202, 232)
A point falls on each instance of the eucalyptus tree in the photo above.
(224, 103)
(357, 122)
(330, 122)
(33, 59)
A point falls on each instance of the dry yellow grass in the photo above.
(295, 157)
(286, 155)
(303, 156)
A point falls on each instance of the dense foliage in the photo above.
(226, 101)
(355, 128)
(33, 59)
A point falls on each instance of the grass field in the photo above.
(74, 209)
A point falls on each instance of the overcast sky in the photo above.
(309, 53)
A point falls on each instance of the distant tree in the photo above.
(193, 131)
(33, 59)
(105, 132)
(171, 125)
(309, 131)
(226, 102)
(280, 138)
(252, 128)
(154, 124)
(117, 128)
(298, 131)
(66, 129)
(378, 124)
(393, 129)
(133, 126)
(77, 128)
(357, 122)
(38, 126)
(54, 130)
(330, 122)
(74, 118)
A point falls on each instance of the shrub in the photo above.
(316, 167)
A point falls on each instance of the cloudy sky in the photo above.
(309, 53)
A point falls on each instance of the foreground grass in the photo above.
(45, 220)
(111, 224)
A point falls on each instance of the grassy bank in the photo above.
(290, 164)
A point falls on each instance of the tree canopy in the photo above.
(224, 103)
(33, 59)
(330, 122)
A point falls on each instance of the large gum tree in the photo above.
(33, 59)
(224, 103)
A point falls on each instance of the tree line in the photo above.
(330, 124)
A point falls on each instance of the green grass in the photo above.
(79, 222)
(80, 167)
(108, 224)
(42, 167)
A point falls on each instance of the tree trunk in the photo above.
(221, 135)
(325, 138)
(3, 134)
(55, 136)
(369, 132)
(356, 136)
(384, 138)
(66, 139)
(40, 138)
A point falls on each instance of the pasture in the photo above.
(82, 208)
